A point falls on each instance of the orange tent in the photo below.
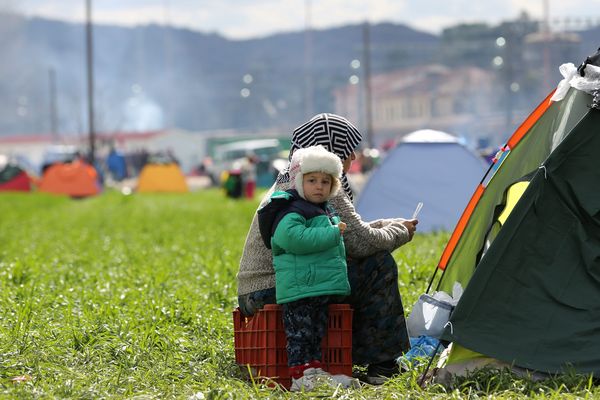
(162, 178)
(76, 179)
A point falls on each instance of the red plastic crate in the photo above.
(260, 343)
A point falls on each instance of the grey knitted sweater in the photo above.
(361, 238)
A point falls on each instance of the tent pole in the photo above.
(90, 79)
(437, 348)
(431, 280)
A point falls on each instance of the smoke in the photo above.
(141, 113)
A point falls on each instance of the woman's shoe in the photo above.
(378, 374)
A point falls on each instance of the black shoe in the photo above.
(378, 374)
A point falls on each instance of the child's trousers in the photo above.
(305, 323)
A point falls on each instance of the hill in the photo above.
(152, 77)
(149, 76)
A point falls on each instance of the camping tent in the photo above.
(162, 178)
(75, 179)
(13, 178)
(427, 166)
(531, 299)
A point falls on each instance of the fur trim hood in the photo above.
(315, 159)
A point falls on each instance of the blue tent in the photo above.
(427, 166)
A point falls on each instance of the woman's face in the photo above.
(348, 162)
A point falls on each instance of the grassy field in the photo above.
(131, 297)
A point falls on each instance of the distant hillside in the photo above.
(151, 76)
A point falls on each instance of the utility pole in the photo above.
(52, 104)
(168, 86)
(308, 50)
(509, 76)
(546, 44)
(367, 85)
(90, 79)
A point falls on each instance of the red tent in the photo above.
(13, 178)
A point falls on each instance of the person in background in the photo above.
(309, 258)
(379, 334)
(232, 183)
(115, 162)
(248, 170)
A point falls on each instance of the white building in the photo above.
(460, 101)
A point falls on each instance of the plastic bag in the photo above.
(431, 313)
(421, 348)
(588, 83)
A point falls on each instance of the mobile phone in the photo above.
(417, 210)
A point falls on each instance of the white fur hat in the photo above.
(315, 159)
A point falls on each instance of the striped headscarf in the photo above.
(331, 131)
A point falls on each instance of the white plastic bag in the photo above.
(588, 83)
(431, 313)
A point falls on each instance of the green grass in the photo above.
(131, 297)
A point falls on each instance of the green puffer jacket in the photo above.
(308, 250)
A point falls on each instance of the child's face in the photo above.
(316, 186)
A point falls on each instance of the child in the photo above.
(309, 259)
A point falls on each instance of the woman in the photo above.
(379, 333)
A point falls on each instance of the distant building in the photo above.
(544, 52)
(27, 149)
(461, 101)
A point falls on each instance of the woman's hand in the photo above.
(342, 226)
(411, 226)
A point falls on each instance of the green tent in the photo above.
(533, 299)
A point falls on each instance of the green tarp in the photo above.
(534, 298)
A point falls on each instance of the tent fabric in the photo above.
(430, 167)
(514, 193)
(516, 285)
(526, 149)
(19, 183)
(162, 178)
(524, 152)
(533, 299)
(429, 136)
(8, 172)
(511, 197)
(13, 178)
(76, 179)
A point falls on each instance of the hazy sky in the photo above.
(240, 19)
